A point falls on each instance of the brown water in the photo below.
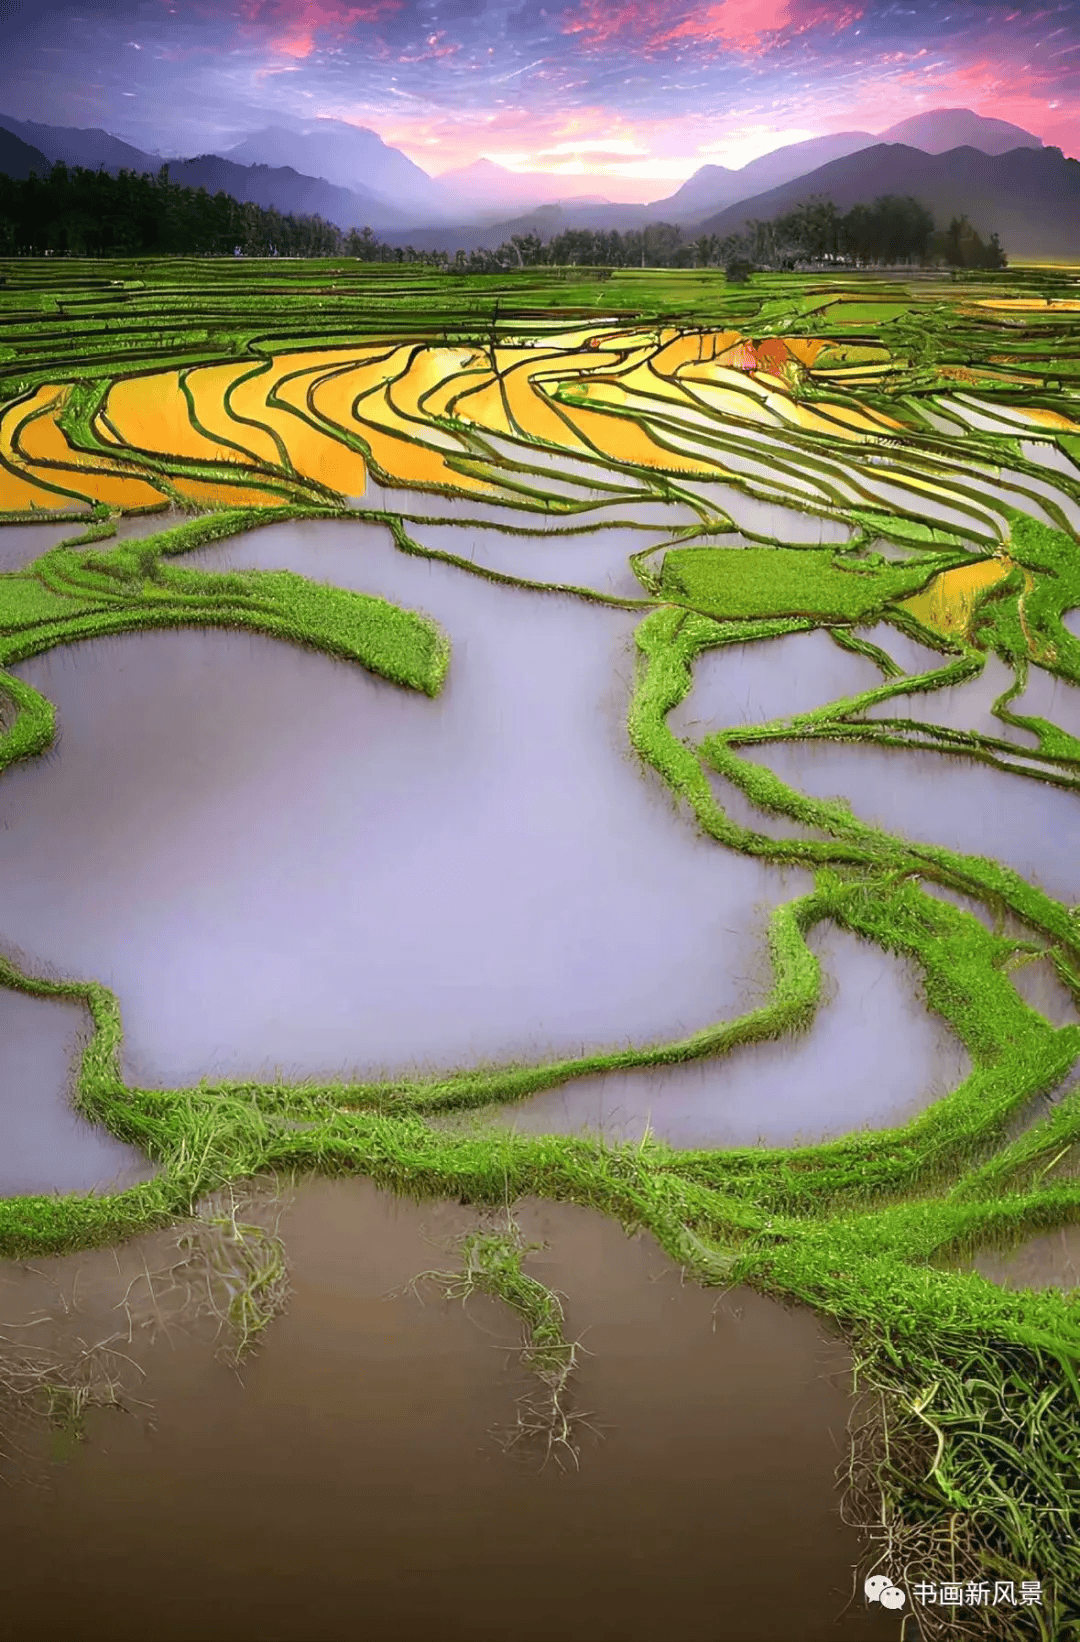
(351, 1487)
(1051, 1260)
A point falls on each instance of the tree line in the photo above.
(78, 212)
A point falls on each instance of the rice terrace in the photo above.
(608, 745)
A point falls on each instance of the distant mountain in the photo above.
(1029, 196)
(546, 221)
(487, 192)
(713, 187)
(349, 156)
(69, 143)
(18, 159)
(940, 129)
(285, 190)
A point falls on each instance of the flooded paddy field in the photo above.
(355, 1476)
(539, 978)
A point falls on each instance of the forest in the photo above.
(78, 212)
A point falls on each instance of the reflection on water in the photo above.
(935, 798)
(350, 1486)
(874, 1058)
(279, 861)
(592, 558)
(524, 514)
(21, 544)
(47, 1145)
(1049, 697)
(752, 683)
(769, 519)
(1051, 1260)
(1038, 984)
(966, 706)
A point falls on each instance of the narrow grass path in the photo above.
(968, 1465)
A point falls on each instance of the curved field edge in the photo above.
(852, 1227)
(975, 1456)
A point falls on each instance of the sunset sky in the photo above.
(630, 92)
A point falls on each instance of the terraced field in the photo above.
(892, 464)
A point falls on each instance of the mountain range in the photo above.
(1028, 196)
(956, 161)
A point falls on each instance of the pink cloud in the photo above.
(293, 28)
(741, 24)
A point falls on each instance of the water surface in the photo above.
(47, 1145)
(351, 1486)
(874, 1057)
(281, 863)
(935, 798)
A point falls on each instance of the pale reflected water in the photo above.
(874, 1058)
(763, 518)
(280, 862)
(47, 1145)
(966, 706)
(21, 544)
(935, 798)
(775, 678)
(522, 513)
(591, 558)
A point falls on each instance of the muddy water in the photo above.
(47, 1145)
(279, 862)
(352, 1486)
(874, 1058)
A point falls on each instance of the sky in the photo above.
(631, 93)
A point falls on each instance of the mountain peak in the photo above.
(940, 129)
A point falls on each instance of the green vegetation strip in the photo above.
(968, 1463)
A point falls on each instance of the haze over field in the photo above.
(459, 122)
(623, 100)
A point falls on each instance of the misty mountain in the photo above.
(487, 192)
(712, 187)
(350, 157)
(92, 149)
(545, 221)
(1029, 196)
(18, 159)
(940, 129)
(281, 187)
(287, 191)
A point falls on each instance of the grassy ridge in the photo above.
(971, 1460)
(75, 592)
